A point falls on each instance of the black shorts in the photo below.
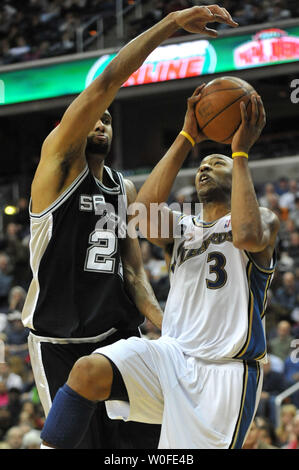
(54, 361)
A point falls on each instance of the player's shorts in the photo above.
(52, 360)
(201, 405)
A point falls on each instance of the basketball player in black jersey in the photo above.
(89, 288)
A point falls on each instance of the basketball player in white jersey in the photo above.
(202, 379)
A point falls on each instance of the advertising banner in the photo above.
(168, 62)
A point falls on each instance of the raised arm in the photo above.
(89, 106)
(254, 229)
(157, 186)
(63, 152)
(135, 276)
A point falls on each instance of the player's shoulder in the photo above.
(130, 190)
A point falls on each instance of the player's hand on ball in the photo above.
(195, 19)
(190, 122)
(250, 128)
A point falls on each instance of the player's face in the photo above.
(214, 177)
(99, 140)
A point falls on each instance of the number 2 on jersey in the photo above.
(99, 256)
(218, 269)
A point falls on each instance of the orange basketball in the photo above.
(218, 112)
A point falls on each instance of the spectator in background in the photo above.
(16, 299)
(293, 249)
(267, 436)
(282, 185)
(20, 49)
(16, 335)
(18, 253)
(6, 280)
(67, 43)
(14, 437)
(291, 372)
(281, 344)
(12, 380)
(287, 200)
(286, 299)
(266, 200)
(31, 440)
(277, 364)
(256, 437)
(278, 11)
(156, 270)
(287, 228)
(273, 384)
(154, 266)
(294, 213)
(273, 205)
(284, 427)
(294, 435)
(21, 218)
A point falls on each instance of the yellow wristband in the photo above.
(188, 136)
(240, 154)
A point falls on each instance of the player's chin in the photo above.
(213, 193)
(98, 148)
(203, 192)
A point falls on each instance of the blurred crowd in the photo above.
(36, 29)
(246, 12)
(21, 414)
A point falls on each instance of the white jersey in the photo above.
(218, 294)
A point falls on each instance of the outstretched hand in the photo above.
(250, 128)
(195, 19)
(190, 122)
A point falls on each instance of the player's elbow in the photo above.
(249, 239)
(110, 78)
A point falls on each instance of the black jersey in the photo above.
(77, 290)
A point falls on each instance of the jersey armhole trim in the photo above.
(114, 190)
(63, 197)
(262, 269)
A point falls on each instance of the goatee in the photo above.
(97, 148)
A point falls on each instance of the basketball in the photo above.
(218, 112)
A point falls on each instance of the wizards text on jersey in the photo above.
(216, 238)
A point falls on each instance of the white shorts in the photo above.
(201, 405)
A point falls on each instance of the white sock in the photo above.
(42, 446)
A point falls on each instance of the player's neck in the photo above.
(212, 211)
(96, 165)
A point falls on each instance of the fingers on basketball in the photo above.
(218, 111)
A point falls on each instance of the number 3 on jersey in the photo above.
(217, 269)
(100, 256)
